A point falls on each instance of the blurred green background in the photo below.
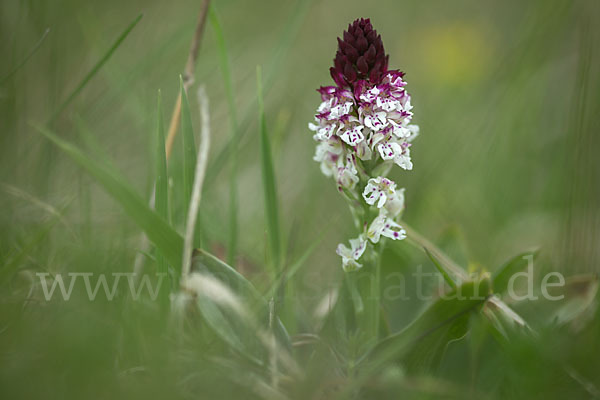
(507, 95)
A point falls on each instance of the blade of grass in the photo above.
(161, 194)
(161, 198)
(189, 147)
(441, 269)
(91, 143)
(235, 133)
(12, 263)
(279, 53)
(269, 183)
(188, 77)
(188, 80)
(292, 28)
(95, 68)
(289, 272)
(157, 229)
(27, 57)
(200, 171)
(417, 240)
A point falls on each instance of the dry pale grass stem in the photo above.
(198, 182)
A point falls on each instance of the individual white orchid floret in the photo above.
(378, 190)
(414, 132)
(386, 226)
(347, 174)
(377, 121)
(351, 255)
(400, 153)
(403, 159)
(329, 154)
(401, 131)
(323, 132)
(395, 204)
(340, 110)
(389, 149)
(325, 105)
(370, 95)
(389, 104)
(353, 136)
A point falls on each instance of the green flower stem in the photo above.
(370, 292)
(365, 285)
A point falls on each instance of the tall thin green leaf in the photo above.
(27, 57)
(96, 68)
(165, 238)
(234, 129)
(441, 269)
(189, 147)
(161, 198)
(161, 194)
(268, 177)
(273, 67)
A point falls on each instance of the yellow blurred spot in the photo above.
(456, 53)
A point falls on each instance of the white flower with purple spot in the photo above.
(378, 190)
(340, 110)
(402, 159)
(353, 136)
(329, 154)
(370, 95)
(323, 132)
(351, 255)
(383, 225)
(389, 149)
(389, 104)
(347, 174)
(376, 121)
(395, 204)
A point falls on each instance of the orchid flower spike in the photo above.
(362, 128)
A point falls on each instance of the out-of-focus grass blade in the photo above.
(269, 184)
(11, 264)
(91, 143)
(501, 321)
(416, 239)
(287, 36)
(511, 267)
(290, 271)
(27, 57)
(579, 296)
(189, 147)
(234, 136)
(95, 68)
(161, 199)
(168, 241)
(161, 193)
(441, 269)
(204, 262)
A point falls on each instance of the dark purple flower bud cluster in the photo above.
(360, 56)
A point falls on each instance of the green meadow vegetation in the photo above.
(165, 232)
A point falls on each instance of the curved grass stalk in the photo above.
(198, 181)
